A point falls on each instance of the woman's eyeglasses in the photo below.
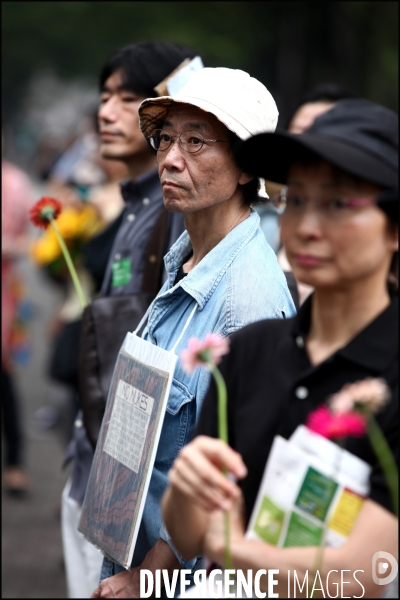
(332, 208)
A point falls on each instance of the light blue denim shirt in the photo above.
(237, 282)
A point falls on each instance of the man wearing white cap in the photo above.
(222, 274)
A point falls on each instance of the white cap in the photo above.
(243, 104)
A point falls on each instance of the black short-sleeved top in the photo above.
(272, 387)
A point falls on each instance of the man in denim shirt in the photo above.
(222, 274)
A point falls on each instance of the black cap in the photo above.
(356, 135)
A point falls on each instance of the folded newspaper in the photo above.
(310, 494)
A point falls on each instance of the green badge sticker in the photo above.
(302, 532)
(316, 494)
(121, 272)
(269, 521)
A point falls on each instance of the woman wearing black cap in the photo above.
(341, 237)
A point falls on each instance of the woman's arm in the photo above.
(376, 529)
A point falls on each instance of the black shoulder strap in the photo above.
(153, 264)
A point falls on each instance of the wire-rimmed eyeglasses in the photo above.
(333, 207)
(190, 141)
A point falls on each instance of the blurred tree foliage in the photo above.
(289, 46)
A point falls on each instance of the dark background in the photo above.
(289, 46)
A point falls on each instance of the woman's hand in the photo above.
(197, 473)
(214, 538)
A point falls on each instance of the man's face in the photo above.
(120, 135)
(193, 182)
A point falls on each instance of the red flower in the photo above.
(44, 211)
(333, 426)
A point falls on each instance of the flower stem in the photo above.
(227, 550)
(69, 262)
(222, 404)
(385, 456)
(223, 435)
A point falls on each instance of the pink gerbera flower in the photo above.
(333, 426)
(208, 354)
(371, 393)
(204, 353)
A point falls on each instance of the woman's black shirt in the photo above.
(272, 387)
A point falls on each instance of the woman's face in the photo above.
(333, 233)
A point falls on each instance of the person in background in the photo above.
(340, 229)
(222, 273)
(78, 169)
(128, 77)
(96, 219)
(17, 198)
(269, 221)
(87, 185)
(314, 103)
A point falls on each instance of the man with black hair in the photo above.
(315, 102)
(127, 78)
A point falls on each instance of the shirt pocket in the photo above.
(178, 396)
(178, 424)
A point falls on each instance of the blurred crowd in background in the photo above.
(65, 165)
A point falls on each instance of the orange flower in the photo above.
(44, 211)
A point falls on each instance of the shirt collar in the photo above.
(204, 278)
(145, 186)
(374, 348)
